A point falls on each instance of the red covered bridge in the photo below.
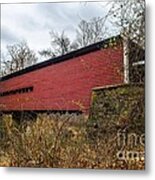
(64, 83)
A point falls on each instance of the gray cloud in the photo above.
(32, 22)
(8, 36)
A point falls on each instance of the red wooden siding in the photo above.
(66, 85)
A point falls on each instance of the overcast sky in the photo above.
(32, 22)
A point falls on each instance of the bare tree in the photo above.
(19, 56)
(129, 17)
(60, 45)
(47, 53)
(60, 42)
(89, 32)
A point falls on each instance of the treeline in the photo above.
(128, 17)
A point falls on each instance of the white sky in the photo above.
(33, 22)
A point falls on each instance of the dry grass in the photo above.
(59, 141)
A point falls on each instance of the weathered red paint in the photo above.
(66, 85)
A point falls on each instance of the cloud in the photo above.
(8, 36)
(32, 22)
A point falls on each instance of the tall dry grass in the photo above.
(58, 141)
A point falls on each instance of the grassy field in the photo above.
(62, 141)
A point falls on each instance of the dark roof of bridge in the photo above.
(59, 59)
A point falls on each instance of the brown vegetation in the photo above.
(59, 141)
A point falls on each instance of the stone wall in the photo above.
(117, 108)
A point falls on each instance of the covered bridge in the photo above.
(64, 83)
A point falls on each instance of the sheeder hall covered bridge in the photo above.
(65, 83)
